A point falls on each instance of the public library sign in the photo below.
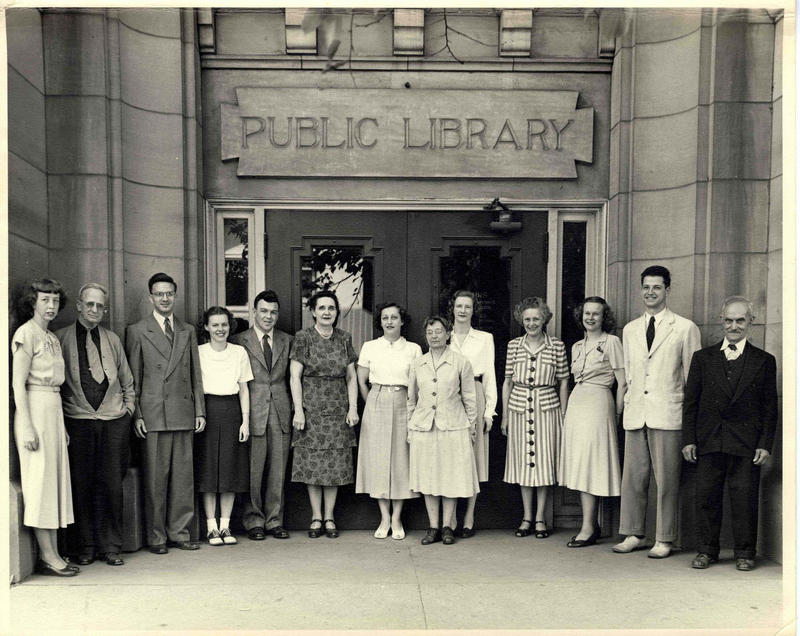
(309, 132)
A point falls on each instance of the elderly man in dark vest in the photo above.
(729, 414)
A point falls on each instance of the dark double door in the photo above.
(416, 258)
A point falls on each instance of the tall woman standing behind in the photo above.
(477, 347)
(534, 398)
(222, 460)
(589, 454)
(37, 374)
(325, 396)
(382, 470)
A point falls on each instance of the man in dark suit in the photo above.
(162, 352)
(98, 399)
(729, 414)
(270, 418)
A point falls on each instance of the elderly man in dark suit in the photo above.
(729, 413)
(162, 352)
(98, 401)
(270, 418)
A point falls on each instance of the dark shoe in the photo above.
(183, 545)
(447, 536)
(745, 565)
(278, 532)
(466, 533)
(70, 564)
(582, 543)
(45, 568)
(431, 536)
(313, 532)
(158, 548)
(330, 530)
(256, 534)
(541, 534)
(703, 560)
(523, 532)
(85, 558)
(113, 558)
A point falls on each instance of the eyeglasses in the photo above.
(169, 294)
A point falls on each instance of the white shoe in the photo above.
(381, 533)
(660, 550)
(398, 533)
(631, 543)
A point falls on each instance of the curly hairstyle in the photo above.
(475, 304)
(30, 294)
(609, 319)
(448, 326)
(533, 302)
(216, 310)
(404, 317)
(325, 293)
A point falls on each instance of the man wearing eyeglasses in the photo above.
(98, 400)
(162, 352)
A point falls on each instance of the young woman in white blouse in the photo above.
(221, 457)
(477, 347)
(383, 449)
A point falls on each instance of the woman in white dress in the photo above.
(383, 367)
(477, 347)
(589, 453)
(221, 456)
(441, 427)
(39, 433)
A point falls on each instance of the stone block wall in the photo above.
(696, 176)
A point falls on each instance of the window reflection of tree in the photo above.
(236, 268)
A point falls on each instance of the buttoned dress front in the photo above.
(382, 470)
(478, 348)
(534, 408)
(589, 452)
(44, 473)
(441, 414)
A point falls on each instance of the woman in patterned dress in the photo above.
(535, 394)
(322, 377)
(589, 454)
(41, 439)
(477, 347)
(382, 470)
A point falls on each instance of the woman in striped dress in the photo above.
(535, 394)
(383, 367)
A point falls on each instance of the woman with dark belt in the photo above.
(221, 457)
(325, 396)
(477, 347)
(39, 433)
(441, 429)
(535, 394)
(382, 470)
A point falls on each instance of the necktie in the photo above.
(651, 332)
(267, 351)
(93, 355)
(168, 331)
(732, 352)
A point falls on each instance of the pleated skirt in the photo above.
(44, 473)
(222, 462)
(534, 444)
(382, 470)
(442, 463)
(589, 453)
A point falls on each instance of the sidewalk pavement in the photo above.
(491, 581)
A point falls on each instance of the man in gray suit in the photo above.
(170, 406)
(270, 418)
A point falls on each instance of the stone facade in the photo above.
(114, 143)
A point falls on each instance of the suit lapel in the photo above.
(181, 339)
(718, 369)
(662, 331)
(752, 362)
(156, 336)
(254, 346)
(278, 346)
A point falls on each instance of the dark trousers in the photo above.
(168, 485)
(264, 508)
(98, 461)
(713, 469)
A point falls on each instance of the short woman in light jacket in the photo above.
(441, 427)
